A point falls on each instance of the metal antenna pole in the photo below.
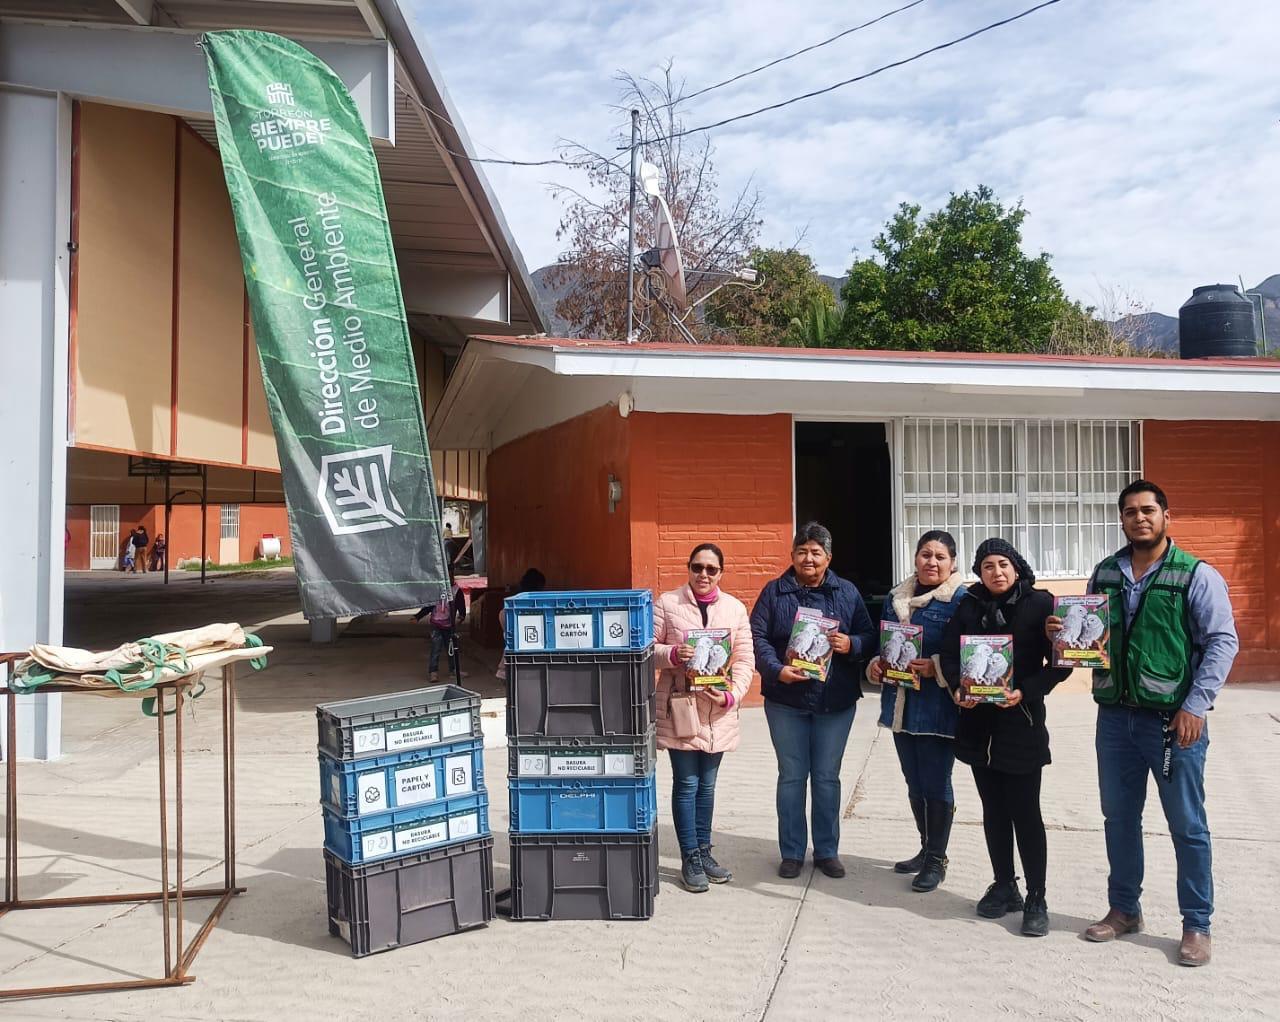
(631, 229)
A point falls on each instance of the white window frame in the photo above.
(229, 521)
(1106, 483)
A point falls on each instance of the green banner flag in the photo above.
(330, 325)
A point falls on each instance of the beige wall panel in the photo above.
(125, 279)
(432, 372)
(460, 474)
(210, 311)
(262, 440)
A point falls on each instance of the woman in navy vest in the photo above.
(923, 721)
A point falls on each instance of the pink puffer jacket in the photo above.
(674, 613)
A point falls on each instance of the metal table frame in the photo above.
(177, 958)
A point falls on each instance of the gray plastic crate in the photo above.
(397, 722)
(611, 756)
(414, 898)
(583, 876)
(580, 695)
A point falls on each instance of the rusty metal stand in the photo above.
(177, 958)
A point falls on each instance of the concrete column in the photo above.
(323, 629)
(35, 211)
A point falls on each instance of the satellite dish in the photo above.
(668, 250)
(650, 179)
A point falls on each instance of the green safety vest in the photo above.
(1151, 658)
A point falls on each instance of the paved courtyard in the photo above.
(761, 947)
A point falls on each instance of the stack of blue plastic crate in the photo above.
(581, 739)
(407, 847)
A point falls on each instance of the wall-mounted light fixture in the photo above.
(615, 493)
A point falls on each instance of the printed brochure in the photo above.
(809, 648)
(1086, 632)
(709, 666)
(899, 645)
(986, 667)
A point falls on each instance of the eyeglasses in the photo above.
(704, 569)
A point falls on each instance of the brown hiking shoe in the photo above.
(1196, 948)
(1114, 924)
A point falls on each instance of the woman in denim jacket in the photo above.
(924, 721)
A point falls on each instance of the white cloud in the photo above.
(1140, 135)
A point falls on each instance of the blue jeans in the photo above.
(693, 796)
(809, 747)
(440, 638)
(1130, 745)
(926, 762)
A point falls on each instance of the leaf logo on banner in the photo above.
(355, 493)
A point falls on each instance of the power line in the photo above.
(798, 53)
(502, 161)
(851, 81)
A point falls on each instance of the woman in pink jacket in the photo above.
(697, 746)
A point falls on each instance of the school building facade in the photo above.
(607, 462)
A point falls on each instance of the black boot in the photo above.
(1035, 915)
(1001, 898)
(938, 817)
(914, 864)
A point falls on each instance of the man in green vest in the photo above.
(1173, 640)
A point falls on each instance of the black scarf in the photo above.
(998, 611)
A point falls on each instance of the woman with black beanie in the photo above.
(1007, 744)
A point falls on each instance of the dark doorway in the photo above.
(843, 481)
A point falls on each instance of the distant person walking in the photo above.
(449, 612)
(158, 551)
(1173, 641)
(140, 543)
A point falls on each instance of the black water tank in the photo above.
(1217, 321)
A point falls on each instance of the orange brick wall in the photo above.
(686, 479)
(1223, 484)
(184, 529)
(723, 479)
(258, 520)
(77, 551)
(548, 505)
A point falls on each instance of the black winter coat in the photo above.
(771, 621)
(1013, 740)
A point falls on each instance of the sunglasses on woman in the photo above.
(704, 569)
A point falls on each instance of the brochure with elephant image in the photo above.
(809, 648)
(986, 667)
(709, 665)
(1086, 632)
(899, 645)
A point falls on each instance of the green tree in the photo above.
(818, 328)
(957, 280)
(788, 291)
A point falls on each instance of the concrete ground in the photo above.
(760, 947)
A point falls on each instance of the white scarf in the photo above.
(905, 600)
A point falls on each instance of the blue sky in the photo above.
(1142, 135)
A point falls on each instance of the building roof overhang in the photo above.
(506, 387)
(460, 269)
